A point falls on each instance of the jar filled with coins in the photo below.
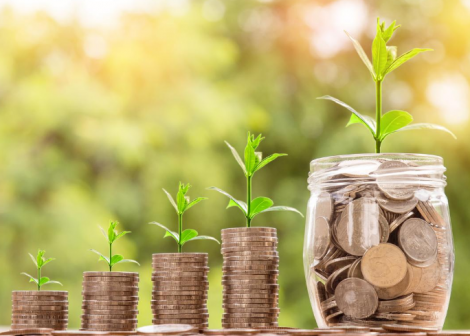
(378, 244)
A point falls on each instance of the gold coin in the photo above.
(351, 303)
(384, 265)
(399, 289)
(132, 275)
(429, 278)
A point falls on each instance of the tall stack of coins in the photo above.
(180, 287)
(39, 309)
(250, 272)
(110, 301)
(381, 232)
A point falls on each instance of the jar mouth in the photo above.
(416, 169)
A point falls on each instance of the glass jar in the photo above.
(378, 242)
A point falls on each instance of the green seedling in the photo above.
(384, 61)
(181, 205)
(40, 262)
(253, 163)
(111, 236)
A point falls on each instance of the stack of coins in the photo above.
(250, 272)
(39, 309)
(180, 286)
(379, 234)
(110, 301)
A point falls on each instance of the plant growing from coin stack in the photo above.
(40, 261)
(384, 61)
(183, 204)
(253, 162)
(111, 236)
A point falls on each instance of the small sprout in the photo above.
(384, 61)
(253, 162)
(40, 262)
(182, 204)
(111, 236)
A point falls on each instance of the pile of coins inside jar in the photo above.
(381, 247)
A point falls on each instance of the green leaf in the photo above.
(102, 257)
(111, 232)
(259, 204)
(367, 121)
(404, 58)
(47, 261)
(104, 234)
(43, 281)
(281, 208)
(50, 282)
(203, 238)
(31, 278)
(187, 235)
(387, 33)
(181, 200)
(393, 121)
(115, 259)
(39, 258)
(33, 259)
(250, 159)
(168, 232)
(379, 54)
(420, 126)
(362, 55)
(237, 157)
(254, 141)
(127, 261)
(241, 205)
(194, 202)
(122, 234)
(355, 120)
(391, 55)
(172, 201)
(267, 160)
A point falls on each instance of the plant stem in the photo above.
(110, 256)
(248, 200)
(39, 278)
(378, 114)
(180, 230)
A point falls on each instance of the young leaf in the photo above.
(366, 121)
(203, 238)
(267, 160)
(194, 202)
(391, 55)
(39, 258)
(47, 261)
(115, 259)
(33, 259)
(392, 121)
(187, 235)
(259, 204)
(404, 58)
(281, 208)
(168, 232)
(43, 281)
(181, 200)
(111, 232)
(237, 157)
(53, 282)
(379, 54)
(387, 33)
(238, 203)
(362, 55)
(250, 158)
(242, 205)
(122, 234)
(102, 257)
(419, 126)
(172, 201)
(127, 261)
(104, 233)
(355, 120)
(31, 278)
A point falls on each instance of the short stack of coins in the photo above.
(381, 234)
(110, 301)
(180, 287)
(250, 274)
(39, 309)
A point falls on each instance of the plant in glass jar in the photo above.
(250, 253)
(379, 224)
(172, 272)
(28, 306)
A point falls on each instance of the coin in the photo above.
(407, 328)
(321, 237)
(429, 278)
(30, 331)
(390, 178)
(358, 228)
(398, 289)
(132, 275)
(166, 329)
(356, 298)
(39, 293)
(109, 303)
(400, 220)
(336, 278)
(384, 265)
(419, 242)
(239, 230)
(399, 207)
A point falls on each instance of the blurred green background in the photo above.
(103, 104)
